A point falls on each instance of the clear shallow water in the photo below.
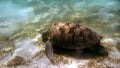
(103, 13)
(20, 19)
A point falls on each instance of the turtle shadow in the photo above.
(80, 54)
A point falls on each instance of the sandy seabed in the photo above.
(29, 53)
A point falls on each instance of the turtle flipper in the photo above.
(49, 52)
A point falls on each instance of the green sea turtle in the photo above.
(68, 35)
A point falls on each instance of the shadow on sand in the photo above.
(80, 54)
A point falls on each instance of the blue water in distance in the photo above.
(14, 13)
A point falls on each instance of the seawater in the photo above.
(14, 13)
(22, 18)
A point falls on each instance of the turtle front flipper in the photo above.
(49, 52)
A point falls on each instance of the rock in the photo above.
(16, 60)
(112, 41)
(108, 40)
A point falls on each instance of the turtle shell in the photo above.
(72, 36)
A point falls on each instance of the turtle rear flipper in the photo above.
(49, 52)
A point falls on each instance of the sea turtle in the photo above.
(68, 35)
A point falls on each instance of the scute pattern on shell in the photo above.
(72, 36)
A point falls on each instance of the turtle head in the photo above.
(45, 35)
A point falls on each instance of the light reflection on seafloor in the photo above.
(22, 21)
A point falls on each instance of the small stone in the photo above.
(16, 60)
